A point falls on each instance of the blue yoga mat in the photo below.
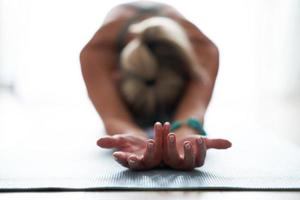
(256, 165)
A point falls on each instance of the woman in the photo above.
(148, 64)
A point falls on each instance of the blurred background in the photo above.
(43, 100)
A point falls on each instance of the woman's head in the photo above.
(156, 64)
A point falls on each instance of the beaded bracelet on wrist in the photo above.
(191, 122)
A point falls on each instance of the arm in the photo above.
(186, 150)
(99, 61)
(198, 93)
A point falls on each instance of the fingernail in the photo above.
(115, 157)
(171, 138)
(157, 124)
(187, 145)
(131, 161)
(199, 141)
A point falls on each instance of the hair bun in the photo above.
(152, 65)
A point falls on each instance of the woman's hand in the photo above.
(186, 150)
(134, 151)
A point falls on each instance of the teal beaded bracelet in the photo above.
(191, 122)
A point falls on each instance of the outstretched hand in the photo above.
(187, 150)
(182, 152)
(134, 151)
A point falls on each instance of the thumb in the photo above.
(217, 143)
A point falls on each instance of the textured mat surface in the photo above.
(262, 166)
(53, 148)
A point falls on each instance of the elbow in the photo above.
(83, 56)
(213, 51)
(213, 55)
(85, 63)
(85, 69)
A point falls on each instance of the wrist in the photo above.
(184, 130)
(190, 126)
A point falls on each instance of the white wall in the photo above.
(258, 40)
(41, 40)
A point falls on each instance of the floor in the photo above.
(275, 118)
(188, 195)
(247, 98)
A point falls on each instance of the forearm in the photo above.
(199, 92)
(119, 126)
(194, 103)
(102, 90)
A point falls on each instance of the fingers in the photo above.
(149, 157)
(171, 155)
(115, 141)
(166, 131)
(107, 142)
(166, 128)
(121, 157)
(193, 155)
(158, 129)
(134, 163)
(189, 157)
(201, 152)
(217, 143)
(128, 160)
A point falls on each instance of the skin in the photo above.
(177, 152)
(182, 150)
